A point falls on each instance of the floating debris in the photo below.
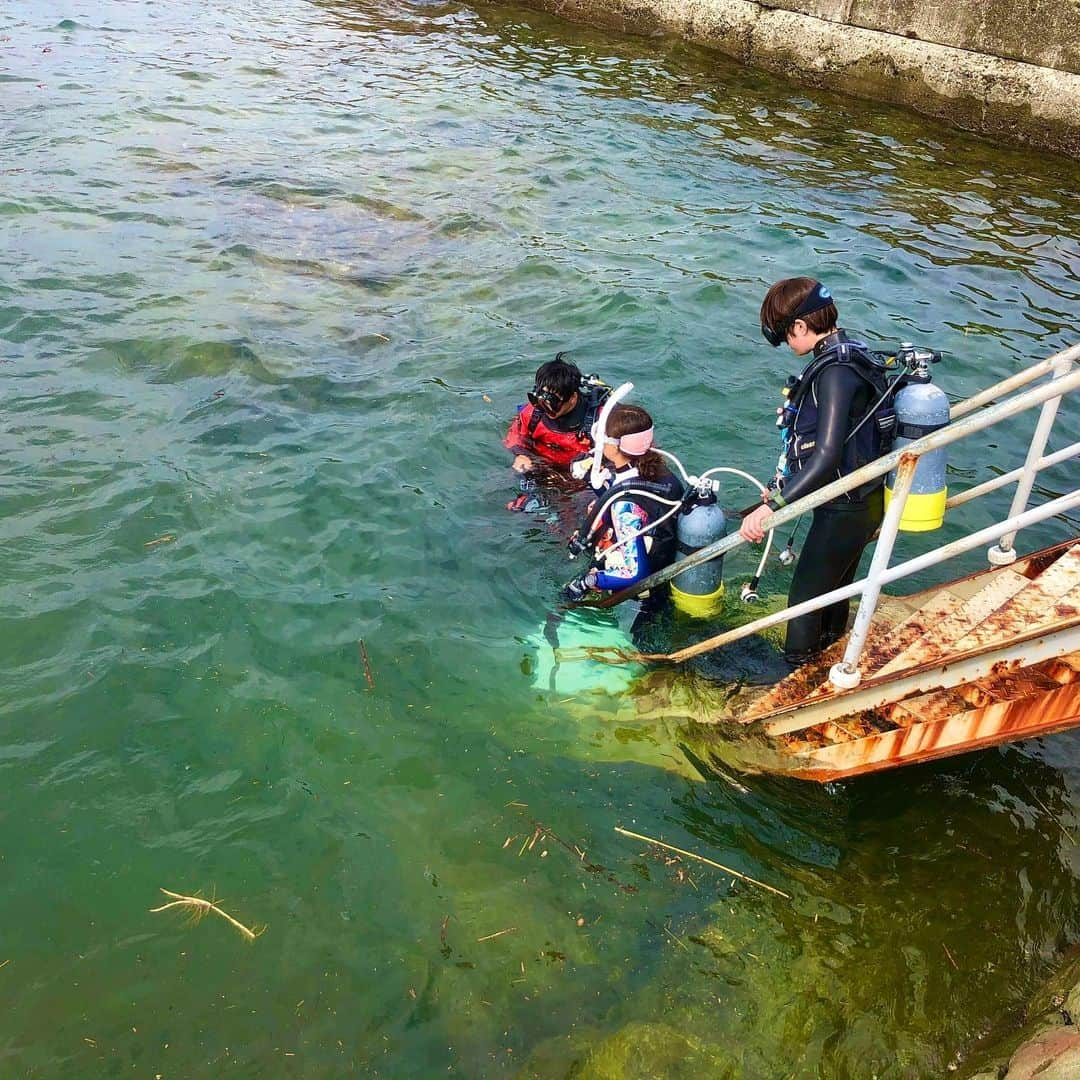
(366, 662)
(201, 907)
(701, 858)
(498, 933)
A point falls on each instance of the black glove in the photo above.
(575, 591)
(576, 546)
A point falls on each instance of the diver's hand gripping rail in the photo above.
(966, 424)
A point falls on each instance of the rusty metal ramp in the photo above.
(990, 658)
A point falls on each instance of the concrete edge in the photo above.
(991, 96)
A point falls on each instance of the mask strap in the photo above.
(636, 443)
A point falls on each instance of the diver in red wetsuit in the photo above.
(554, 428)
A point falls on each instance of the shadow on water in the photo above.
(925, 904)
(910, 893)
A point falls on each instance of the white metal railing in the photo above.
(975, 414)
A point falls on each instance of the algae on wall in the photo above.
(1041, 32)
(885, 58)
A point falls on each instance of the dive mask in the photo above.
(816, 299)
(547, 400)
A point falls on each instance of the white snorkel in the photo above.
(599, 432)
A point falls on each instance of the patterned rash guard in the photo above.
(625, 565)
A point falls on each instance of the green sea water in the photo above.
(273, 278)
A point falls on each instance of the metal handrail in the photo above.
(965, 420)
(1007, 478)
(967, 543)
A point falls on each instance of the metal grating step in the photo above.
(938, 640)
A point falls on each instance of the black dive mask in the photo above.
(544, 399)
(818, 297)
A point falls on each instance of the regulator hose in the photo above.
(691, 482)
(598, 516)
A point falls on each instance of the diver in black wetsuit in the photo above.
(829, 431)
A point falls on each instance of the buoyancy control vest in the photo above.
(533, 432)
(664, 543)
(871, 430)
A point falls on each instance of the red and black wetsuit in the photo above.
(557, 441)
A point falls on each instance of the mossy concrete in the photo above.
(993, 95)
(1041, 32)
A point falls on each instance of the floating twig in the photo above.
(949, 955)
(201, 907)
(168, 538)
(5, 963)
(367, 664)
(1053, 817)
(675, 937)
(708, 862)
(498, 933)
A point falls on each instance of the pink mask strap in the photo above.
(637, 443)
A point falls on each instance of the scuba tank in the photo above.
(699, 591)
(921, 408)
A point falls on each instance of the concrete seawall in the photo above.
(1001, 68)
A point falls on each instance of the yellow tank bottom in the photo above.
(922, 513)
(696, 605)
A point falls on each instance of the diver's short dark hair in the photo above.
(785, 298)
(559, 376)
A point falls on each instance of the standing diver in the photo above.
(631, 526)
(832, 423)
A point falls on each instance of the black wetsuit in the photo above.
(841, 396)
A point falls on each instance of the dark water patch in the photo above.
(157, 117)
(245, 425)
(178, 359)
(103, 284)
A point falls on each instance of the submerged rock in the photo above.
(639, 1051)
(1048, 1045)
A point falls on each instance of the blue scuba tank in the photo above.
(699, 591)
(921, 408)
